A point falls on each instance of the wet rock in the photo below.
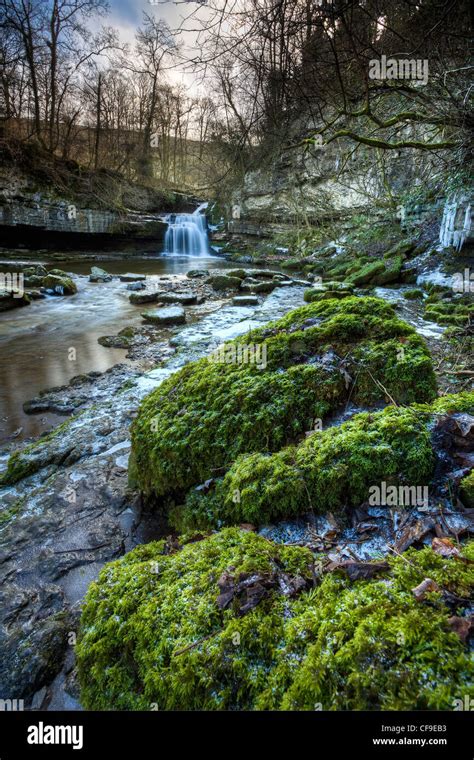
(84, 389)
(35, 295)
(239, 273)
(59, 285)
(265, 287)
(34, 281)
(258, 273)
(170, 315)
(224, 282)
(99, 275)
(134, 286)
(187, 298)
(195, 273)
(12, 300)
(139, 298)
(130, 277)
(245, 301)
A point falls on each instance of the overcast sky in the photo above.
(126, 15)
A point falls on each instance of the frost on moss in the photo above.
(153, 635)
(329, 470)
(207, 414)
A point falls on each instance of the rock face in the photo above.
(170, 315)
(318, 183)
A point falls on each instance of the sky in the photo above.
(127, 15)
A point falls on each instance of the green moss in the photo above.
(200, 419)
(61, 285)
(152, 635)
(413, 294)
(7, 515)
(367, 273)
(459, 311)
(316, 294)
(467, 490)
(329, 470)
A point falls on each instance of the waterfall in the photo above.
(187, 234)
(451, 232)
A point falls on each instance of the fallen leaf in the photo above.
(413, 533)
(461, 626)
(420, 591)
(444, 547)
(357, 570)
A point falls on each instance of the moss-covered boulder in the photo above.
(224, 282)
(60, 285)
(329, 470)
(234, 622)
(272, 386)
(366, 273)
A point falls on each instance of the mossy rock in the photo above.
(154, 636)
(392, 272)
(292, 264)
(403, 248)
(450, 312)
(330, 470)
(466, 490)
(317, 294)
(367, 273)
(204, 416)
(413, 294)
(224, 282)
(60, 285)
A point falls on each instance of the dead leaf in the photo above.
(461, 626)
(247, 590)
(358, 570)
(414, 532)
(420, 591)
(444, 547)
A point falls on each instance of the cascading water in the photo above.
(187, 234)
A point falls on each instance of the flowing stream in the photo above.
(35, 341)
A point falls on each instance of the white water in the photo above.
(187, 234)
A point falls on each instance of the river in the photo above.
(35, 341)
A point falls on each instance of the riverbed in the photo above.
(36, 341)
